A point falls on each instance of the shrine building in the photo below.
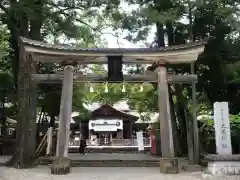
(109, 126)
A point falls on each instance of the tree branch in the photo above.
(77, 6)
(94, 28)
(9, 17)
(62, 9)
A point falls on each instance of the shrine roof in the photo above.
(110, 50)
(107, 111)
(172, 54)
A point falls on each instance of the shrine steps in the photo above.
(107, 160)
(183, 166)
(106, 163)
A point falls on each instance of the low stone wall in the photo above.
(115, 142)
(223, 164)
(109, 150)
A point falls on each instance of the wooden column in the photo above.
(131, 131)
(168, 164)
(62, 164)
(164, 114)
(195, 123)
(32, 125)
(65, 112)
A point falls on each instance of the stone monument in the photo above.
(222, 128)
(224, 162)
(140, 141)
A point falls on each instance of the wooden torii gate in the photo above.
(32, 52)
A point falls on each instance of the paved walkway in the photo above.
(103, 173)
(43, 173)
(93, 173)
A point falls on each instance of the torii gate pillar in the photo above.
(61, 164)
(168, 162)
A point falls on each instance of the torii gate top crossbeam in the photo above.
(44, 52)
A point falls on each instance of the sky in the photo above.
(114, 42)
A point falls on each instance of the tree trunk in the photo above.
(188, 121)
(181, 119)
(3, 117)
(175, 130)
(160, 35)
(25, 154)
(170, 33)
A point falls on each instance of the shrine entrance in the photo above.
(33, 52)
(105, 138)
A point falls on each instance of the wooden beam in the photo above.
(133, 78)
(170, 59)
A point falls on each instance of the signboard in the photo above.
(140, 141)
(101, 125)
(222, 128)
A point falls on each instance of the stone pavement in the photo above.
(103, 173)
(89, 173)
(93, 173)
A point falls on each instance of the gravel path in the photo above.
(42, 173)
(103, 173)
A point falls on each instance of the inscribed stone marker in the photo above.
(222, 128)
(140, 141)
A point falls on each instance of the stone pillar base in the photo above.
(223, 164)
(169, 165)
(61, 166)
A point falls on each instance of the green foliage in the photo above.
(74, 23)
(4, 46)
(79, 94)
(207, 133)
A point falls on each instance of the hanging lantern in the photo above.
(91, 88)
(123, 88)
(141, 88)
(106, 88)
